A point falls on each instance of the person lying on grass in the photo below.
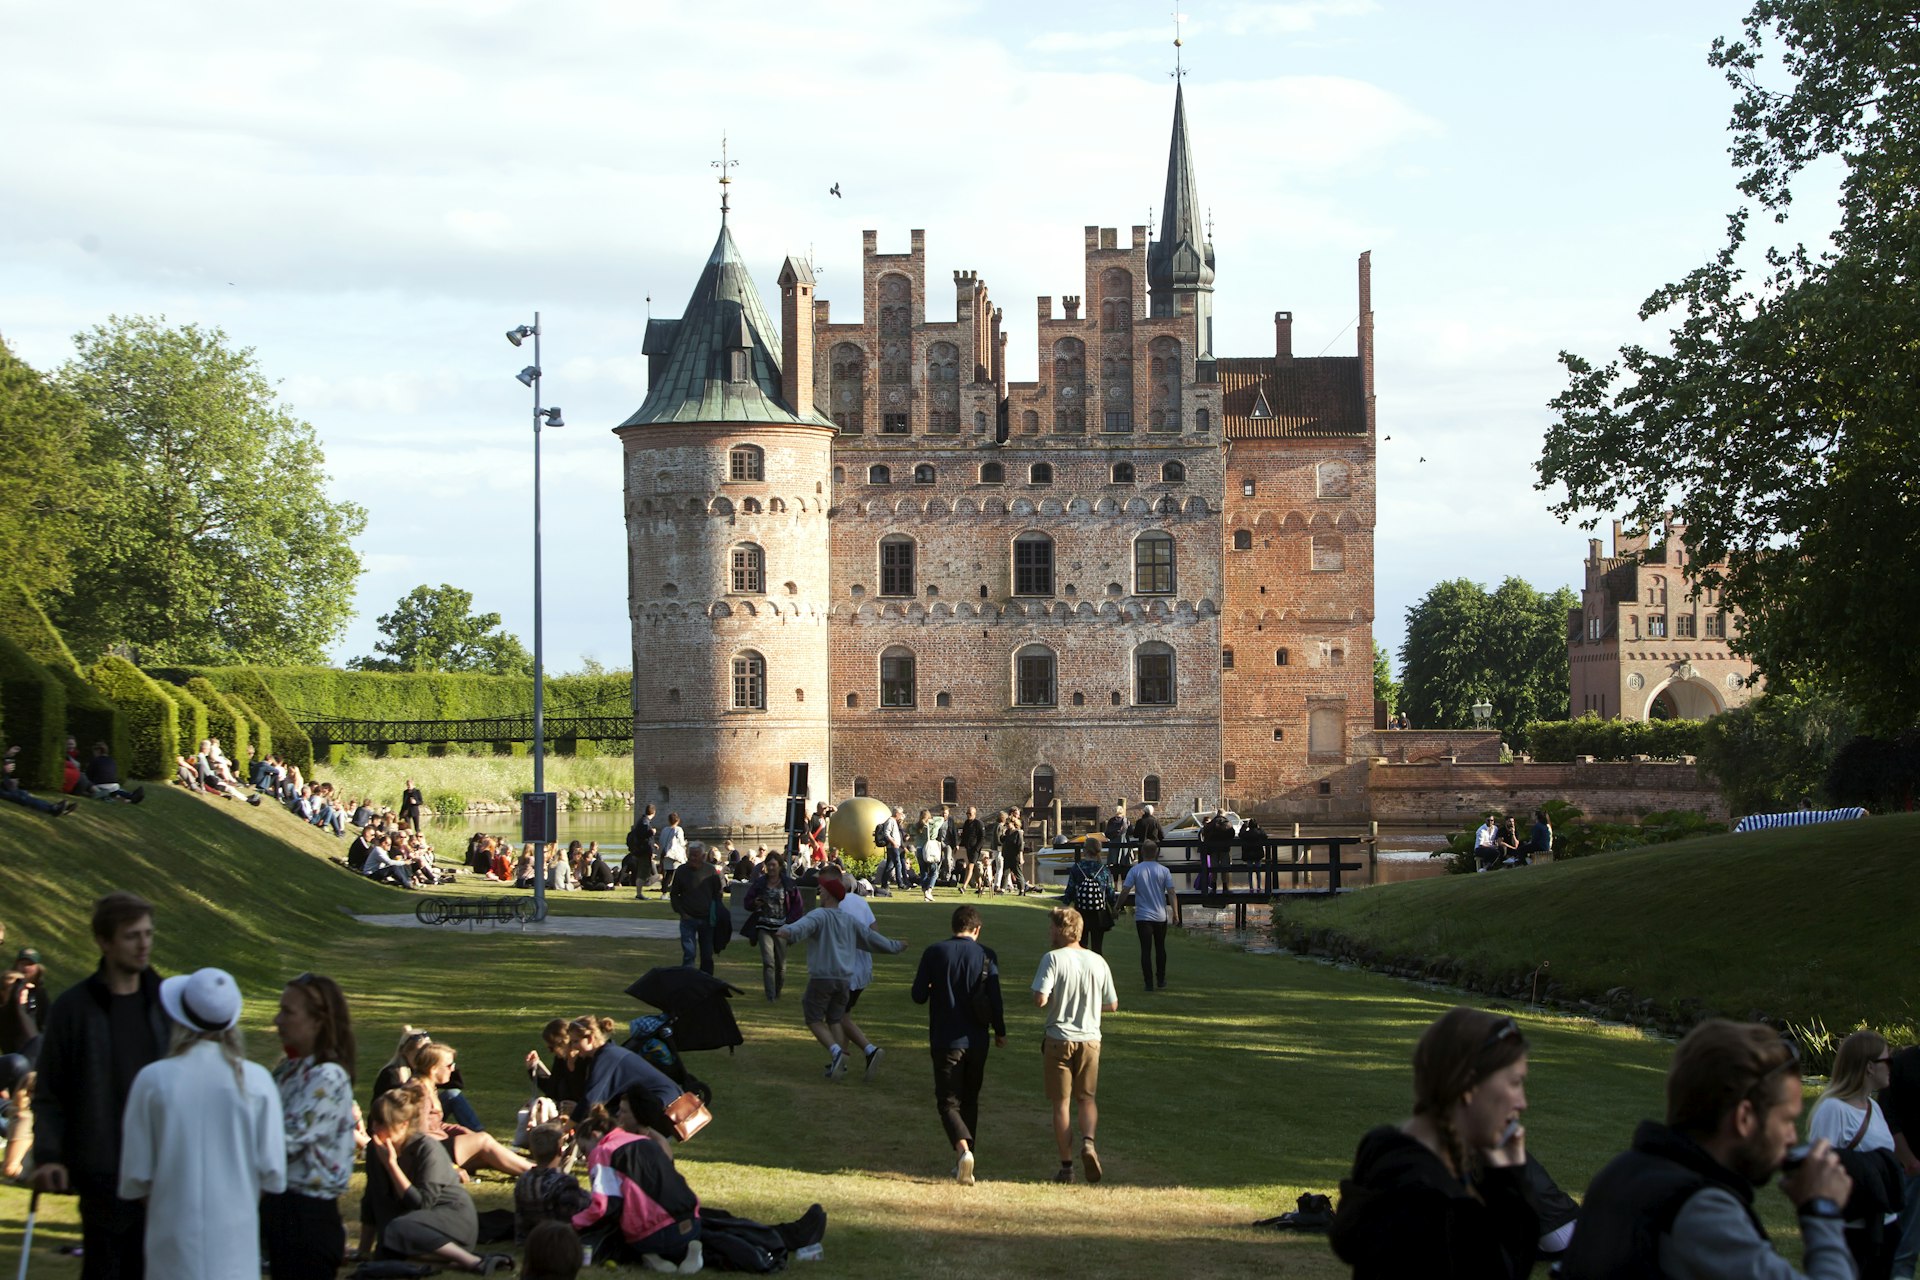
(414, 1205)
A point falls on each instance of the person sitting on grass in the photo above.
(384, 867)
(614, 1071)
(405, 1065)
(10, 789)
(547, 1192)
(553, 1253)
(641, 1210)
(472, 1149)
(595, 873)
(414, 1205)
(500, 864)
(103, 778)
(566, 1081)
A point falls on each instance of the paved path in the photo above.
(552, 926)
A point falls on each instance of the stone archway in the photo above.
(1689, 699)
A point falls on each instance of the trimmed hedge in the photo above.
(319, 693)
(223, 721)
(1560, 740)
(259, 736)
(284, 737)
(90, 718)
(33, 705)
(190, 716)
(153, 731)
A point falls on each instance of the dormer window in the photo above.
(736, 365)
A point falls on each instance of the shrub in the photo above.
(290, 741)
(33, 706)
(1775, 751)
(190, 715)
(448, 804)
(1576, 837)
(153, 734)
(259, 736)
(224, 721)
(1876, 774)
(90, 718)
(1559, 740)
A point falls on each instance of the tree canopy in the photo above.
(48, 493)
(1785, 397)
(216, 541)
(1465, 643)
(435, 629)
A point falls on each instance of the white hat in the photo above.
(205, 1000)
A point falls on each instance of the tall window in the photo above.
(896, 351)
(1279, 657)
(749, 570)
(1163, 384)
(1326, 732)
(749, 682)
(896, 677)
(1226, 659)
(1683, 626)
(1656, 626)
(943, 388)
(847, 393)
(1033, 565)
(746, 462)
(1116, 382)
(1153, 675)
(896, 566)
(1029, 423)
(1153, 563)
(1070, 386)
(1116, 299)
(1123, 473)
(1033, 684)
(949, 790)
(1716, 626)
(1150, 789)
(1202, 420)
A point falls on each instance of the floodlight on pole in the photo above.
(529, 375)
(516, 335)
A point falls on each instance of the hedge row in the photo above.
(1559, 740)
(90, 718)
(224, 721)
(259, 736)
(311, 693)
(153, 734)
(190, 716)
(33, 708)
(290, 741)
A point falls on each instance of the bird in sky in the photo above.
(1423, 459)
(834, 191)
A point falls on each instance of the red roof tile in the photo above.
(1314, 397)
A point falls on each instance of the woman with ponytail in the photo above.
(1444, 1194)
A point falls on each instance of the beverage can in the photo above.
(811, 1253)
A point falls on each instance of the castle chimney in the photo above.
(1283, 336)
(796, 336)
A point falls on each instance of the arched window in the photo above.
(943, 388)
(749, 682)
(896, 565)
(1123, 473)
(1033, 565)
(1243, 539)
(1226, 659)
(1033, 671)
(847, 392)
(1150, 789)
(746, 462)
(839, 475)
(896, 677)
(1333, 480)
(750, 506)
(923, 473)
(1116, 382)
(1040, 473)
(942, 699)
(1029, 423)
(1173, 473)
(1070, 386)
(1329, 553)
(1326, 732)
(749, 570)
(993, 473)
(1163, 384)
(949, 790)
(1153, 563)
(1202, 421)
(879, 474)
(1153, 675)
(1116, 299)
(1279, 657)
(859, 786)
(853, 701)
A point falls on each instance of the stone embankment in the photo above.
(585, 799)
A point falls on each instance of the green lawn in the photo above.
(1797, 924)
(1224, 1098)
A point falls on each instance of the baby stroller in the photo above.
(694, 1015)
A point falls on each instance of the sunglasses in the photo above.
(1505, 1029)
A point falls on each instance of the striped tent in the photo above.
(1797, 818)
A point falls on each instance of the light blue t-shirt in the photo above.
(1078, 985)
(1149, 883)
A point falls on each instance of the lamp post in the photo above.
(1482, 712)
(541, 802)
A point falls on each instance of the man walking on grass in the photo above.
(959, 981)
(1075, 987)
(698, 895)
(1150, 887)
(832, 965)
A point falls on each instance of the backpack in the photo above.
(1090, 899)
(880, 834)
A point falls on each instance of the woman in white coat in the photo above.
(203, 1139)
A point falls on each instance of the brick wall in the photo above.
(1432, 746)
(1442, 794)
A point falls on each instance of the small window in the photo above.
(839, 475)
(1279, 657)
(879, 475)
(896, 566)
(1326, 788)
(949, 790)
(923, 474)
(993, 473)
(1226, 659)
(1040, 473)
(1656, 626)
(1150, 789)
(1279, 735)
(799, 695)
(1080, 699)
(1716, 626)
(673, 697)
(893, 424)
(1243, 539)
(1247, 487)
(1153, 675)
(859, 786)
(749, 683)
(1122, 421)
(1153, 563)
(853, 701)
(746, 462)
(896, 677)
(1123, 473)
(1033, 565)
(1114, 697)
(1683, 626)
(1595, 627)
(1033, 670)
(942, 699)
(1202, 420)
(749, 570)
(737, 365)
(1173, 473)
(1228, 772)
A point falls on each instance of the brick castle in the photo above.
(1147, 574)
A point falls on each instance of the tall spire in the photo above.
(1181, 260)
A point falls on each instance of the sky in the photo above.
(368, 194)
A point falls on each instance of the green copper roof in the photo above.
(724, 314)
(1181, 258)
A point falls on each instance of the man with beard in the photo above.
(1680, 1202)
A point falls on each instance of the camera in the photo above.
(1795, 1157)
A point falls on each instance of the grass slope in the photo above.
(1799, 923)
(493, 779)
(1223, 1098)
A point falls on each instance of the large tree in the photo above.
(1465, 643)
(219, 542)
(48, 493)
(1780, 418)
(435, 629)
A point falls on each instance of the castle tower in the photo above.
(727, 464)
(1180, 262)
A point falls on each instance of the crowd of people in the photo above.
(1497, 842)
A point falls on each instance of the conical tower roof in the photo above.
(724, 314)
(1181, 258)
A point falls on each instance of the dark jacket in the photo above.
(951, 971)
(615, 1070)
(21, 1021)
(1116, 830)
(695, 889)
(973, 834)
(1403, 1214)
(101, 771)
(76, 1108)
(1148, 828)
(1632, 1202)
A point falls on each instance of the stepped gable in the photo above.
(1266, 398)
(688, 359)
